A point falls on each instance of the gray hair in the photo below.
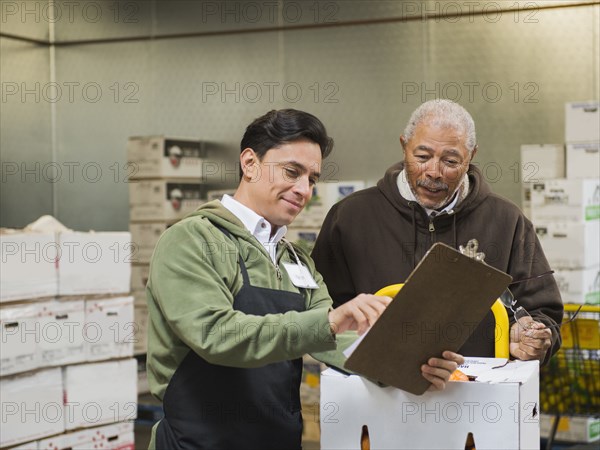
(444, 113)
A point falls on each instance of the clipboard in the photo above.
(441, 303)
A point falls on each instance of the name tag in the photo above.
(300, 276)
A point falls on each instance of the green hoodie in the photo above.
(194, 277)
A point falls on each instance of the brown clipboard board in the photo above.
(441, 303)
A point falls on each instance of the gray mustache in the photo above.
(438, 185)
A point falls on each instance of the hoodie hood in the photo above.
(478, 192)
(217, 214)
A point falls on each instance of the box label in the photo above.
(592, 212)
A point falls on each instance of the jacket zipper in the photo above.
(431, 231)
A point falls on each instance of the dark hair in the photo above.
(283, 126)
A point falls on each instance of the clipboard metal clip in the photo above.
(470, 250)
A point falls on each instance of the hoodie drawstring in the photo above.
(414, 226)
(454, 228)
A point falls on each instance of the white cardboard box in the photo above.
(28, 262)
(118, 436)
(572, 428)
(20, 331)
(542, 161)
(144, 237)
(164, 200)
(583, 160)
(139, 277)
(109, 328)
(162, 157)
(94, 263)
(565, 200)
(579, 286)
(582, 121)
(78, 440)
(502, 414)
(61, 329)
(100, 393)
(33, 445)
(32, 406)
(570, 245)
(325, 195)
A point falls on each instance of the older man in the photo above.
(376, 237)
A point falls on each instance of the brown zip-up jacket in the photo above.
(375, 237)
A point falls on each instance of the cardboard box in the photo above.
(563, 200)
(526, 199)
(100, 393)
(118, 436)
(217, 194)
(499, 414)
(78, 440)
(583, 160)
(32, 406)
(109, 328)
(141, 330)
(542, 161)
(28, 262)
(579, 286)
(303, 237)
(62, 325)
(572, 428)
(20, 331)
(139, 277)
(94, 263)
(162, 157)
(139, 298)
(582, 121)
(325, 195)
(144, 237)
(164, 200)
(33, 445)
(570, 245)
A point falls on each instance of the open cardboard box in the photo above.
(500, 410)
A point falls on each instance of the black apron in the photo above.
(214, 407)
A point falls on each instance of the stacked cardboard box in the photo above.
(305, 229)
(169, 178)
(165, 184)
(63, 303)
(566, 211)
(566, 215)
(539, 162)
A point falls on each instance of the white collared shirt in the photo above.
(407, 193)
(255, 224)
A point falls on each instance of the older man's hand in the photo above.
(529, 339)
